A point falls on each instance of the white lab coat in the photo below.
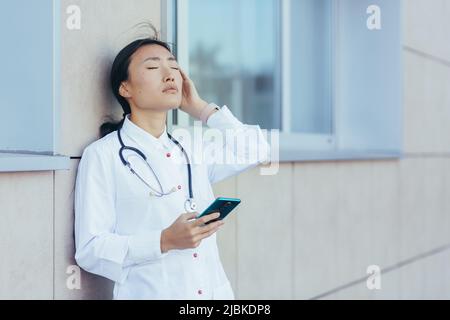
(118, 225)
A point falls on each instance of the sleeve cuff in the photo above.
(224, 119)
(207, 111)
(145, 247)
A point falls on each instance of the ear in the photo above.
(123, 90)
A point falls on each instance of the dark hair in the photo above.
(119, 73)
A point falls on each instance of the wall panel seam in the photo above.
(428, 56)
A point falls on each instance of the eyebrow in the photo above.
(159, 59)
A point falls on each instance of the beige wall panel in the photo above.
(226, 237)
(426, 105)
(353, 240)
(265, 235)
(426, 25)
(315, 218)
(424, 221)
(26, 271)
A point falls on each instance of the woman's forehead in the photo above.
(152, 52)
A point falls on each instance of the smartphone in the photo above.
(222, 205)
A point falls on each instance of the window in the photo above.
(236, 63)
(311, 68)
(29, 85)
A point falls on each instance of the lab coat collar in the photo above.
(143, 138)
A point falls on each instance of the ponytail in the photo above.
(110, 126)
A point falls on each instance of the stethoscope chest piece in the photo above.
(190, 205)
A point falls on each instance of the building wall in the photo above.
(329, 221)
(309, 232)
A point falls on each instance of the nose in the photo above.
(169, 75)
(169, 78)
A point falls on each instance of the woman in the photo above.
(138, 229)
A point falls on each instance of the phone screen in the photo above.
(222, 205)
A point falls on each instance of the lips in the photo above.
(170, 89)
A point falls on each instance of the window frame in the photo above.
(294, 147)
(28, 160)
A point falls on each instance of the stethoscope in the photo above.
(189, 204)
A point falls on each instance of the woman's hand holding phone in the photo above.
(187, 232)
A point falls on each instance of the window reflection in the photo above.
(311, 66)
(233, 57)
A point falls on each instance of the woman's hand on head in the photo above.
(191, 102)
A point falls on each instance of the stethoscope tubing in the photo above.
(142, 155)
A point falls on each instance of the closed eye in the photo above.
(157, 68)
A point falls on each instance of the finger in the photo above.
(183, 74)
(211, 226)
(205, 234)
(207, 218)
(189, 215)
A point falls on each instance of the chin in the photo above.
(169, 106)
(173, 108)
(172, 104)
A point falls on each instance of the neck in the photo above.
(153, 122)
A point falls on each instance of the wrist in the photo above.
(165, 242)
(201, 104)
(207, 111)
(199, 107)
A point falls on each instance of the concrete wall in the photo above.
(320, 224)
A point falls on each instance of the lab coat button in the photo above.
(200, 291)
(168, 155)
(179, 187)
(195, 255)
